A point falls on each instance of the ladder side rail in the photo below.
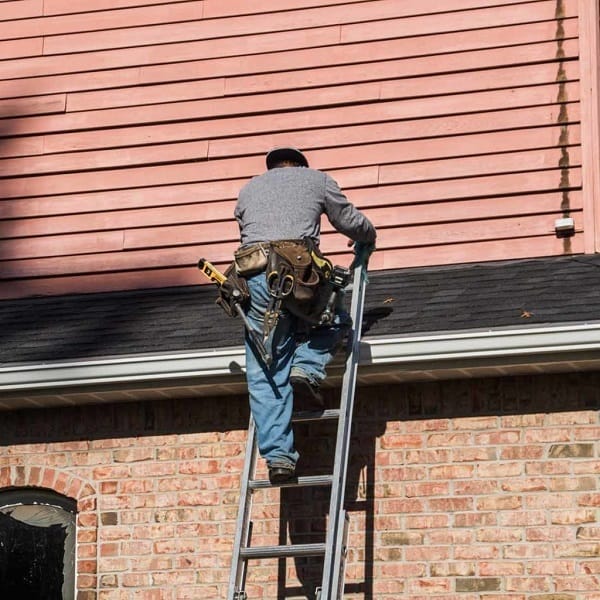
(242, 529)
(338, 568)
(336, 512)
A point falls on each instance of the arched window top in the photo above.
(32, 496)
(37, 544)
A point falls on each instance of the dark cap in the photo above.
(277, 155)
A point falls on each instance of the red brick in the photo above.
(477, 423)
(127, 455)
(578, 583)
(522, 452)
(427, 553)
(477, 551)
(546, 435)
(526, 420)
(497, 438)
(109, 549)
(400, 441)
(573, 517)
(589, 500)
(449, 439)
(476, 487)
(474, 454)
(500, 503)
(529, 584)
(204, 467)
(452, 472)
(490, 534)
(426, 521)
(572, 418)
(548, 534)
(528, 551)
(524, 485)
(551, 567)
(111, 472)
(429, 586)
(520, 518)
(475, 519)
(135, 579)
(450, 505)
(428, 456)
(427, 489)
(402, 570)
(500, 470)
(500, 568)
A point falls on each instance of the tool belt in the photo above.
(298, 278)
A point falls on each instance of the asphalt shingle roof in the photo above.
(405, 301)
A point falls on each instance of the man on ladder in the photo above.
(279, 215)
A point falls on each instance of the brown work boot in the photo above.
(281, 473)
(307, 395)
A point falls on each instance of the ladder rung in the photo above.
(278, 551)
(305, 481)
(305, 415)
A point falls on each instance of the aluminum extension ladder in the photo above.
(334, 549)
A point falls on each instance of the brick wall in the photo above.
(462, 490)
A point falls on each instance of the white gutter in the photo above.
(563, 343)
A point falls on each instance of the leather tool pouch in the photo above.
(233, 291)
(311, 274)
(250, 260)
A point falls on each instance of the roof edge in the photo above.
(564, 343)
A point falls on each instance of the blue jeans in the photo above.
(269, 388)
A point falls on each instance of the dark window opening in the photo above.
(37, 545)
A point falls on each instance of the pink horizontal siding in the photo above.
(127, 128)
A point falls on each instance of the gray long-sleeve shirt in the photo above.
(287, 203)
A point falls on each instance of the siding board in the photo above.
(525, 247)
(89, 202)
(101, 21)
(140, 95)
(20, 49)
(62, 245)
(471, 166)
(38, 105)
(122, 219)
(20, 9)
(65, 7)
(103, 159)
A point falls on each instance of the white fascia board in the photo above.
(119, 369)
(489, 344)
(569, 342)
